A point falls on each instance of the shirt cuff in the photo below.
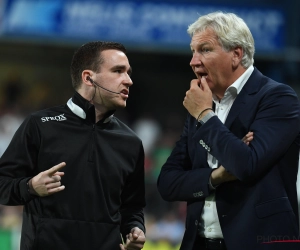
(211, 187)
(25, 196)
(205, 118)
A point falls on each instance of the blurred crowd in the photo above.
(164, 220)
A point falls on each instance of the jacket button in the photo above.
(196, 222)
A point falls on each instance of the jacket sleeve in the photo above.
(276, 127)
(133, 198)
(182, 178)
(17, 164)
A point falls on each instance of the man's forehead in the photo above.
(114, 57)
(115, 60)
(203, 37)
(111, 53)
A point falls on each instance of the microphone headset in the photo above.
(98, 85)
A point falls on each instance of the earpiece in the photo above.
(98, 85)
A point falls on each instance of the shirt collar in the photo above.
(85, 110)
(240, 82)
(235, 88)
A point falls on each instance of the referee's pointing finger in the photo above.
(55, 168)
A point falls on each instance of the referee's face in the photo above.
(113, 81)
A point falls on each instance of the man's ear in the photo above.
(237, 56)
(86, 77)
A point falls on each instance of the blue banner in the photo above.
(138, 23)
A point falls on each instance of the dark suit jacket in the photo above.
(261, 206)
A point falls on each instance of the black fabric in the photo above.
(104, 179)
(261, 205)
(212, 244)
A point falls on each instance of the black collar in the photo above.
(85, 110)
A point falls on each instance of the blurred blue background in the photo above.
(37, 41)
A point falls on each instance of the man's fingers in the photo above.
(249, 134)
(248, 137)
(53, 185)
(136, 236)
(135, 232)
(204, 84)
(55, 178)
(244, 139)
(59, 174)
(56, 168)
(194, 83)
(55, 190)
(122, 247)
(135, 239)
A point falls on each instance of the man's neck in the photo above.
(99, 113)
(100, 110)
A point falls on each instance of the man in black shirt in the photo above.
(71, 166)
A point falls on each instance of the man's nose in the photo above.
(128, 80)
(196, 60)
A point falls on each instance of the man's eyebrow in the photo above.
(200, 44)
(122, 67)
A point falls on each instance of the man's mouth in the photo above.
(124, 92)
(200, 75)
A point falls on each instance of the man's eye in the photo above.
(205, 50)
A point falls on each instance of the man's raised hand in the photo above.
(47, 182)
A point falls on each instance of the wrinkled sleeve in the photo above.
(275, 127)
(182, 178)
(133, 198)
(17, 164)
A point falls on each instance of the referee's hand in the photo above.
(135, 240)
(47, 182)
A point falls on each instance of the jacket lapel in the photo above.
(251, 87)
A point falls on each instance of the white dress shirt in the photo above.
(210, 224)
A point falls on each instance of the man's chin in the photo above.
(120, 105)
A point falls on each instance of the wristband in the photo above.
(202, 113)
